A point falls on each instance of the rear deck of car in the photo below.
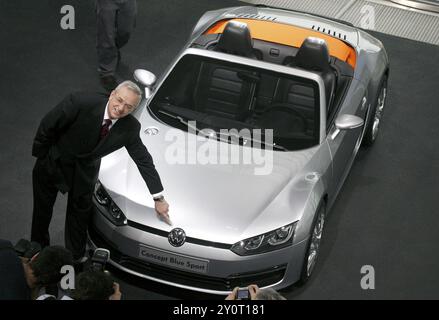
(290, 36)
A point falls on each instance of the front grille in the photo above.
(261, 277)
(165, 234)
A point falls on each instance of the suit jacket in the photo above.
(68, 138)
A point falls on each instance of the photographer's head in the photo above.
(43, 268)
(95, 285)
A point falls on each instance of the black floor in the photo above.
(387, 212)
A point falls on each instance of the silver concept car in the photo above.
(253, 129)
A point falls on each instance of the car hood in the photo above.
(215, 202)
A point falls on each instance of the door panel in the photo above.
(344, 144)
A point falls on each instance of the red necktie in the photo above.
(105, 128)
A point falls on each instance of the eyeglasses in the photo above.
(128, 106)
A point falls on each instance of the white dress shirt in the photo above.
(106, 116)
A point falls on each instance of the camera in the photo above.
(99, 259)
(27, 249)
(243, 294)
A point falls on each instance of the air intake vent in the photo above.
(330, 32)
(256, 17)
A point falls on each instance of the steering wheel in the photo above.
(288, 108)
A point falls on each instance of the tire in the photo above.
(371, 133)
(313, 247)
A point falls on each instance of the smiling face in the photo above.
(122, 102)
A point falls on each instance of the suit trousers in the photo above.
(78, 214)
(115, 22)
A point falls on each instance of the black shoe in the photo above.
(109, 82)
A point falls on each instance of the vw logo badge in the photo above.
(177, 237)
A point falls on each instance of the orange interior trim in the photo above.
(291, 36)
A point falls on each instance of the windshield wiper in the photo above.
(278, 146)
(246, 138)
(230, 134)
(179, 118)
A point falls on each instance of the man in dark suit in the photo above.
(69, 144)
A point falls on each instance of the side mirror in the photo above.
(146, 79)
(348, 121)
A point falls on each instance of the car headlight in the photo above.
(111, 211)
(273, 240)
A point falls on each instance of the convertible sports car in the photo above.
(296, 92)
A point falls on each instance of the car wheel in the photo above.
(312, 252)
(377, 112)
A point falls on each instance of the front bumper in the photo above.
(225, 271)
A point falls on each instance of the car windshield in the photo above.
(233, 100)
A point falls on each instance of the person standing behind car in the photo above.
(116, 20)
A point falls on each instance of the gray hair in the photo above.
(131, 86)
(268, 294)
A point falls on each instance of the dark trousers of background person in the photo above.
(115, 22)
(78, 215)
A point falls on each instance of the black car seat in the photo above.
(313, 55)
(227, 91)
(236, 39)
